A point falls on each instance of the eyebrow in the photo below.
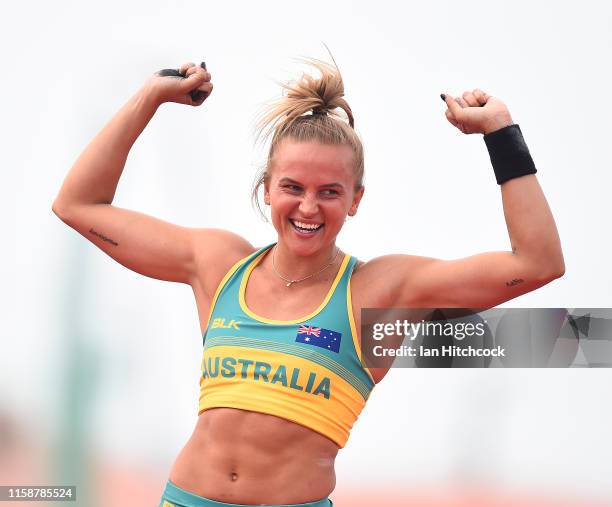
(289, 180)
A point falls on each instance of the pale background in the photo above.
(99, 371)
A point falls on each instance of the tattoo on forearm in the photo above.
(514, 281)
(103, 237)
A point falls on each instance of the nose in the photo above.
(309, 205)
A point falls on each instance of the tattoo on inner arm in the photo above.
(514, 281)
(103, 237)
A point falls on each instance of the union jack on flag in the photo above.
(309, 330)
(319, 337)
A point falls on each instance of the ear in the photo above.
(267, 192)
(356, 200)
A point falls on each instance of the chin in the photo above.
(304, 246)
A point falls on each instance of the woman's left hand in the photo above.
(476, 112)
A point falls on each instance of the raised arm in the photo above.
(142, 243)
(486, 279)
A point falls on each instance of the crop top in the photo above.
(308, 370)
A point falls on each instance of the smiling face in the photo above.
(311, 190)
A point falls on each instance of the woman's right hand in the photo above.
(178, 89)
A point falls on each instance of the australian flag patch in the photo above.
(319, 337)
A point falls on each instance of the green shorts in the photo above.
(176, 497)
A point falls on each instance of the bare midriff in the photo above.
(236, 456)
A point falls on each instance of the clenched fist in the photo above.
(189, 85)
(476, 112)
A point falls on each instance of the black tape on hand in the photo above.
(196, 95)
(509, 154)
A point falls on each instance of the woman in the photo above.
(282, 373)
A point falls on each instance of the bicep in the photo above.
(141, 243)
(478, 281)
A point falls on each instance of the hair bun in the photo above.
(323, 96)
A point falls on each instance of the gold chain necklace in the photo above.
(289, 282)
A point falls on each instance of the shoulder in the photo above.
(384, 280)
(213, 240)
(216, 251)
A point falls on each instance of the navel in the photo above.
(233, 476)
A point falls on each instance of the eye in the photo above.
(292, 188)
(330, 192)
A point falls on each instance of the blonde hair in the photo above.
(287, 118)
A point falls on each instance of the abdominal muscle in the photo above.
(237, 456)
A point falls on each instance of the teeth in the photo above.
(310, 227)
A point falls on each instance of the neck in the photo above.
(295, 267)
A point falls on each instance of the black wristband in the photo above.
(509, 154)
